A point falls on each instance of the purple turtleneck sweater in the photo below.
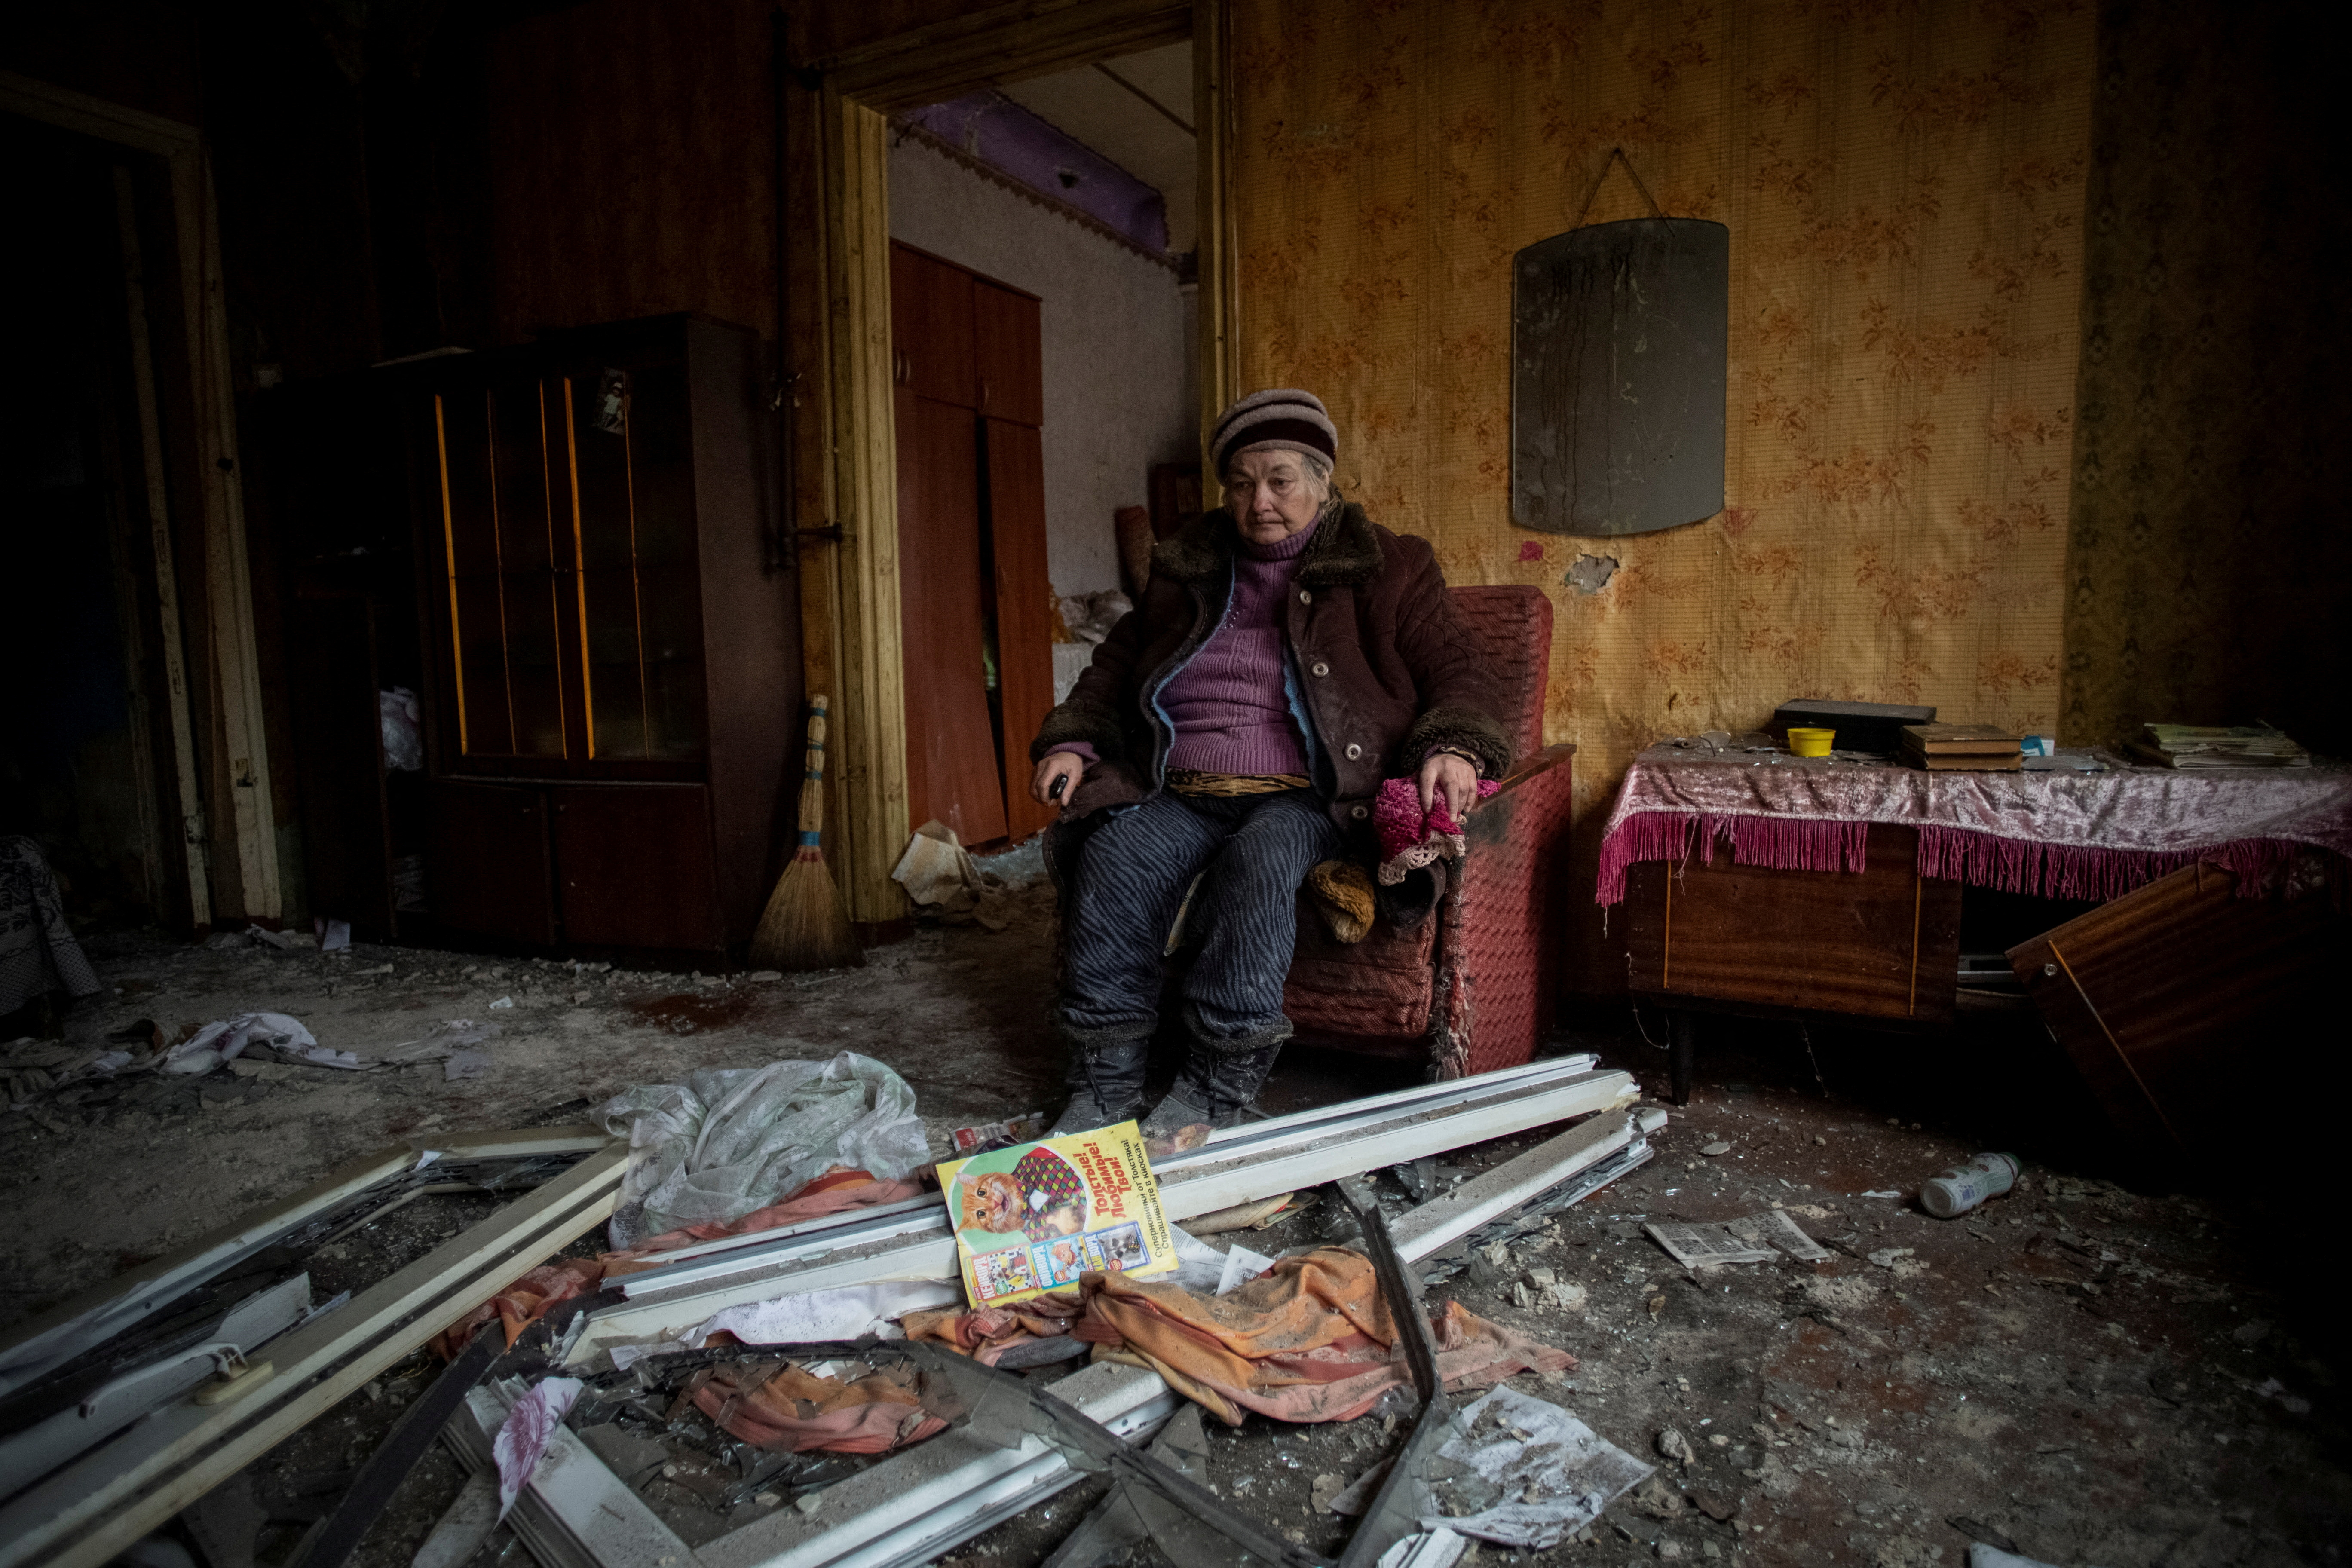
(1227, 703)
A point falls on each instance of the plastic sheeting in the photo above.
(402, 721)
(731, 1140)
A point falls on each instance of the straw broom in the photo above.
(803, 926)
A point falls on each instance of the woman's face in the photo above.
(1271, 496)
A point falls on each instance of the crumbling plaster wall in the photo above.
(1116, 347)
(1904, 186)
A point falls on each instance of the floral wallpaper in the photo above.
(1903, 181)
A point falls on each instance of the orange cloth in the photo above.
(797, 1411)
(835, 1191)
(1310, 1339)
(988, 1332)
(523, 1303)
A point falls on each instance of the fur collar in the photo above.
(1346, 549)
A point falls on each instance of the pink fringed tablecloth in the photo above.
(2060, 835)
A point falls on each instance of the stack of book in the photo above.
(1955, 748)
(2192, 748)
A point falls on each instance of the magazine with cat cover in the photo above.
(1034, 1217)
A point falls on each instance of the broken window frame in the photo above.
(1281, 1154)
(929, 1498)
(85, 1512)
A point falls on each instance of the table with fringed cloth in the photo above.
(2057, 834)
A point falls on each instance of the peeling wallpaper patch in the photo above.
(1590, 574)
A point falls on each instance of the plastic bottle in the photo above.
(1963, 1187)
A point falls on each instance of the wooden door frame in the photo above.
(240, 732)
(849, 583)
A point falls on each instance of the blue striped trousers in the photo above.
(1256, 850)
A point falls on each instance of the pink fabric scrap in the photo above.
(2057, 834)
(1410, 839)
(530, 1428)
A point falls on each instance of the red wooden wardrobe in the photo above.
(974, 600)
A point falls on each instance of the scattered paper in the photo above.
(1439, 1548)
(1521, 1471)
(503, 1001)
(1885, 1194)
(472, 1062)
(846, 1312)
(530, 1427)
(440, 1042)
(334, 936)
(1200, 1267)
(1024, 1128)
(1775, 1229)
(1706, 1246)
(1241, 1265)
(218, 1043)
(942, 880)
(1783, 1232)
(1037, 1216)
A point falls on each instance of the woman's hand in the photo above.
(1065, 766)
(1448, 777)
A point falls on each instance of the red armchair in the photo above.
(1472, 987)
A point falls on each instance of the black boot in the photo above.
(1220, 1080)
(1105, 1078)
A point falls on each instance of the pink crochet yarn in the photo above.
(1409, 839)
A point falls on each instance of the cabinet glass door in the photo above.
(567, 521)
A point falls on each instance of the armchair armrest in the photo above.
(1535, 766)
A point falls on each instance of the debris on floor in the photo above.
(2117, 1384)
(522, 1441)
(945, 884)
(727, 1142)
(1309, 1340)
(1520, 1471)
(1953, 1191)
(1025, 1128)
(1697, 1246)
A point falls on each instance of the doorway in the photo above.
(854, 96)
(1044, 361)
(88, 768)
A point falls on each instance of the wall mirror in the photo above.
(1617, 354)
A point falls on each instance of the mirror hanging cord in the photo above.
(1616, 155)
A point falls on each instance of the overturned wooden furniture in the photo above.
(2152, 993)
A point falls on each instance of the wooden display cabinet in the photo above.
(610, 632)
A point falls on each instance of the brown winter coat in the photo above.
(1386, 665)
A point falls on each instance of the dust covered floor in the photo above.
(2098, 1367)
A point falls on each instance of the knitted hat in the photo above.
(1282, 418)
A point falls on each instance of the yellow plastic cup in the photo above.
(1811, 743)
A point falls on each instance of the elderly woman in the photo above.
(1288, 654)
